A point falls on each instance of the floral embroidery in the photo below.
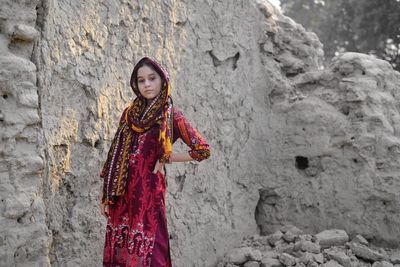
(138, 245)
(137, 148)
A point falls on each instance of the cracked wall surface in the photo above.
(25, 237)
(290, 141)
(336, 143)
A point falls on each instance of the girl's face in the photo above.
(149, 82)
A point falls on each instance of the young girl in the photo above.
(134, 183)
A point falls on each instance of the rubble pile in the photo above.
(290, 246)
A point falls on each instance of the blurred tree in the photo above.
(367, 26)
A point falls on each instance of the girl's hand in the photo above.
(104, 209)
(159, 167)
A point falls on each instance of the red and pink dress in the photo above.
(136, 233)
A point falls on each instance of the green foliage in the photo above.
(366, 26)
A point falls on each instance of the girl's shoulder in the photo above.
(123, 115)
(177, 113)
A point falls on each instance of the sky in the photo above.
(275, 2)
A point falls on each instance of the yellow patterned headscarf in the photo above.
(161, 104)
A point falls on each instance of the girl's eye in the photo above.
(140, 81)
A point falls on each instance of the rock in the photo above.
(255, 255)
(16, 207)
(291, 229)
(33, 164)
(29, 99)
(270, 262)
(332, 263)
(263, 240)
(275, 237)
(310, 246)
(312, 264)
(319, 258)
(297, 246)
(268, 47)
(363, 252)
(237, 255)
(339, 256)
(282, 246)
(382, 264)
(360, 239)
(306, 257)
(333, 237)
(384, 253)
(306, 237)
(252, 264)
(270, 254)
(25, 33)
(395, 257)
(287, 260)
(289, 237)
(243, 254)
(14, 66)
(31, 117)
(363, 263)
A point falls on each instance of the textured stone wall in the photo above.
(24, 235)
(290, 142)
(336, 151)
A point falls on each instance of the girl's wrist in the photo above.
(169, 161)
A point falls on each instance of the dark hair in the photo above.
(148, 63)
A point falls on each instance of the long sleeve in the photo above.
(199, 149)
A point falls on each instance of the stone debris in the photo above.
(252, 264)
(395, 257)
(309, 246)
(364, 252)
(25, 33)
(332, 263)
(382, 264)
(305, 250)
(334, 237)
(270, 254)
(270, 262)
(318, 258)
(243, 254)
(291, 229)
(360, 239)
(287, 260)
(338, 255)
(275, 237)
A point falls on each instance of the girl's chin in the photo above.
(150, 98)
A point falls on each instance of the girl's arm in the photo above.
(181, 157)
(199, 148)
